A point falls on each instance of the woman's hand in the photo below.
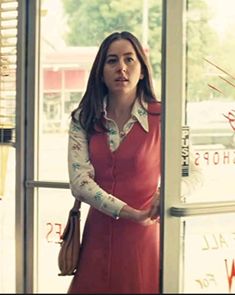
(128, 212)
(154, 212)
(140, 216)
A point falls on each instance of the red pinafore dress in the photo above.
(121, 256)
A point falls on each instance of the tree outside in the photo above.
(89, 22)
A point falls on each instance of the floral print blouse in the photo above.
(81, 171)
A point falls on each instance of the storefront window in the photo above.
(208, 240)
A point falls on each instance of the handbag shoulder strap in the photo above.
(73, 213)
(76, 205)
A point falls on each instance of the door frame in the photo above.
(173, 81)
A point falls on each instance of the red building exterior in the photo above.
(65, 74)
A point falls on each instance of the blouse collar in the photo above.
(138, 112)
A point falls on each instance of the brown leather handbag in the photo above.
(70, 242)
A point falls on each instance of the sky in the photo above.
(224, 14)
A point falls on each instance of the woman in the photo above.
(114, 165)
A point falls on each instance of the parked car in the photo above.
(212, 122)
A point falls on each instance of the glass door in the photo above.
(199, 214)
(67, 42)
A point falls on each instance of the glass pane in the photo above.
(7, 219)
(52, 210)
(210, 100)
(209, 245)
(208, 241)
(67, 51)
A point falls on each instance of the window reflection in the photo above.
(210, 99)
(209, 265)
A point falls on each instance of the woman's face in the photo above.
(122, 68)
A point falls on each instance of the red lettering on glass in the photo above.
(216, 158)
(58, 231)
(230, 275)
(226, 157)
(214, 242)
(231, 118)
(54, 232)
(206, 157)
(196, 159)
(206, 281)
(50, 225)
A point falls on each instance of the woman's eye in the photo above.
(111, 60)
(130, 59)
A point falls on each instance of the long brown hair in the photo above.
(91, 105)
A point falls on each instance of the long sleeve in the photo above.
(81, 175)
